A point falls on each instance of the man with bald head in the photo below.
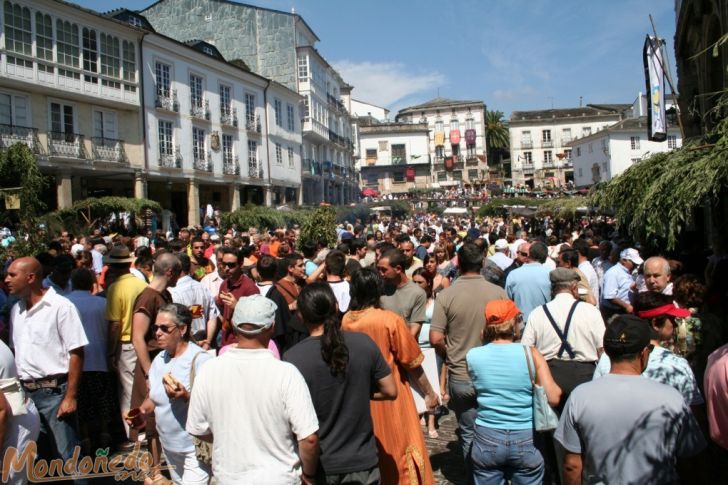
(48, 338)
(657, 275)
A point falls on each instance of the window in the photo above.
(454, 124)
(526, 136)
(62, 118)
(470, 151)
(604, 144)
(196, 91)
(161, 72)
(527, 158)
(581, 172)
(457, 175)
(17, 29)
(67, 43)
(278, 109)
(198, 143)
(43, 36)
(398, 176)
(253, 154)
(225, 106)
(104, 124)
(290, 158)
(586, 131)
(279, 154)
(546, 135)
(671, 142)
(135, 21)
(164, 132)
(208, 50)
(439, 151)
(383, 146)
(578, 151)
(635, 160)
(110, 56)
(306, 108)
(399, 154)
(227, 149)
(14, 110)
(591, 148)
(441, 176)
(547, 156)
(303, 68)
(473, 174)
(566, 135)
(129, 61)
(250, 107)
(469, 124)
(372, 178)
(90, 54)
(567, 154)
(439, 125)
(634, 142)
(371, 153)
(604, 167)
(291, 114)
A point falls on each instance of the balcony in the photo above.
(254, 171)
(229, 117)
(547, 143)
(11, 134)
(549, 164)
(252, 124)
(167, 101)
(202, 162)
(108, 150)
(526, 144)
(566, 140)
(528, 168)
(170, 160)
(67, 145)
(200, 109)
(230, 166)
(471, 161)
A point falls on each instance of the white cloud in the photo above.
(385, 83)
(514, 93)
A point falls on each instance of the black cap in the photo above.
(627, 334)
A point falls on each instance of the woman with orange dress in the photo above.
(403, 457)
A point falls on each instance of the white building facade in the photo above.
(456, 140)
(216, 133)
(603, 155)
(540, 141)
(394, 157)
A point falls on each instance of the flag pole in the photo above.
(668, 75)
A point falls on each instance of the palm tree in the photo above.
(497, 139)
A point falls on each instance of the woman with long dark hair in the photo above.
(343, 371)
(402, 452)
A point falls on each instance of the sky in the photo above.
(511, 54)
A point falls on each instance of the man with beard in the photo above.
(401, 295)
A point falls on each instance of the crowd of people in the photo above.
(255, 357)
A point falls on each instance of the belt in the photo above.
(50, 382)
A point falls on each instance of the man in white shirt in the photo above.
(582, 248)
(500, 257)
(197, 298)
(48, 338)
(212, 281)
(567, 332)
(277, 422)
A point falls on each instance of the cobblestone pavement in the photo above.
(445, 454)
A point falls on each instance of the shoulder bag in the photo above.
(544, 418)
(203, 449)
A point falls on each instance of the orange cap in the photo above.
(499, 311)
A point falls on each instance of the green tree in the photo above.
(319, 224)
(497, 140)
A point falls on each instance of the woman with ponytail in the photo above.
(343, 371)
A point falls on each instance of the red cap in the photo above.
(500, 311)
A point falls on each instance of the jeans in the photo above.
(60, 432)
(463, 402)
(499, 455)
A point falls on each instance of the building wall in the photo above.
(288, 171)
(264, 39)
(360, 108)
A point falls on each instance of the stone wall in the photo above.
(264, 39)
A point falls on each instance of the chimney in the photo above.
(581, 100)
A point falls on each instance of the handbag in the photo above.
(544, 418)
(203, 449)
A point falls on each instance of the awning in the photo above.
(455, 210)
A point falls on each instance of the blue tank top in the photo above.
(503, 386)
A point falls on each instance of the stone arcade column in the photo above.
(140, 185)
(234, 197)
(193, 203)
(64, 190)
(268, 196)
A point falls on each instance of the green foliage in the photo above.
(564, 207)
(19, 169)
(496, 206)
(496, 131)
(88, 213)
(262, 218)
(655, 199)
(319, 224)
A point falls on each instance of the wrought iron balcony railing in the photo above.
(69, 145)
(108, 149)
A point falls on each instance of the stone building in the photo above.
(280, 46)
(456, 140)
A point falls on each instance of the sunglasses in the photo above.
(163, 328)
(522, 253)
(229, 265)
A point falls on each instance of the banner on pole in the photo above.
(653, 56)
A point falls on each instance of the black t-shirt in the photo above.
(342, 402)
(352, 266)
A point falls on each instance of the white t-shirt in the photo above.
(44, 335)
(341, 292)
(591, 276)
(197, 298)
(257, 408)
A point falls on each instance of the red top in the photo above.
(243, 286)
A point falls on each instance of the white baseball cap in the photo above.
(501, 244)
(631, 254)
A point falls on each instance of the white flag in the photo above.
(655, 77)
